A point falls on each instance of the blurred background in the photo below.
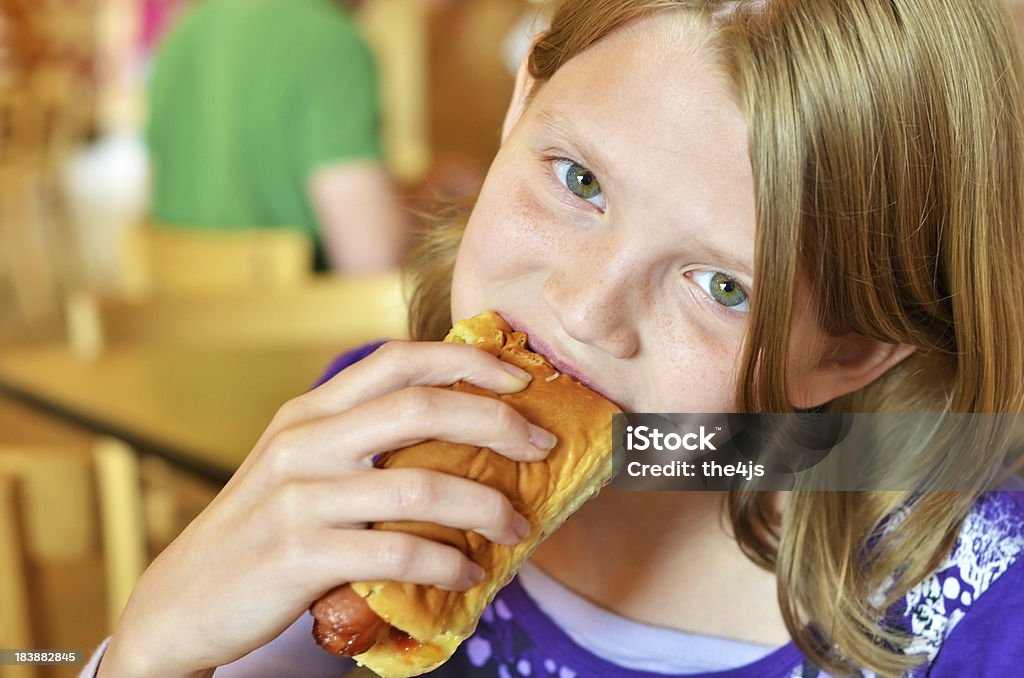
(145, 343)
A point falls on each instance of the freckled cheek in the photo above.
(697, 370)
(509, 234)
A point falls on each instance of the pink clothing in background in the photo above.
(157, 18)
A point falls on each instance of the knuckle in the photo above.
(290, 408)
(391, 351)
(415, 491)
(397, 554)
(505, 418)
(283, 450)
(293, 410)
(292, 550)
(417, 402)
(290, 503)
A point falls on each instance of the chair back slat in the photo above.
(170, 262)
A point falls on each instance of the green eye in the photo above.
(723, 289)
(727, 291)
(580, 181)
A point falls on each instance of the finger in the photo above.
(393, 366)
(347, 442)
(414, 494)
(345, 555)
(399, 364)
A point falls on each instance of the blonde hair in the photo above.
(886, 140)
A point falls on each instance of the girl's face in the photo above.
(616, 225)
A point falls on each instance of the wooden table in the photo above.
(201, 407)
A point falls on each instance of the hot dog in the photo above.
(399, 629)
(344, 623)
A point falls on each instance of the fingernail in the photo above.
(476, 574)
(517, 372)
(521, 526)
(542, 439)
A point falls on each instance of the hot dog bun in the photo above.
(546, 492)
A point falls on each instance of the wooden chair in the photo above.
(78, 504)
(172, 262)
(15, 614)
(325, 311)
(171, 499)
(105, 553)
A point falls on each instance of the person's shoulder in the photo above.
(198, 26)
(326, 19)
(304, 22)
(348, 358)
(978, 588)
(319, 39)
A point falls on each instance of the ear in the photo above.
(847, 364)
(521, 93)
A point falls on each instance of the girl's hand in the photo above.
(288, 527)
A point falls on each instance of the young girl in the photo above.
(698, 206)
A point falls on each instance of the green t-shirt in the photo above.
(248, 97)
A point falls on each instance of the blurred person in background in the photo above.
(265, 113)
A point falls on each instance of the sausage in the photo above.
(345, 624)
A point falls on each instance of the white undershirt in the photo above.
(631, 644)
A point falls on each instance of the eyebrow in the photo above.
(560, 125)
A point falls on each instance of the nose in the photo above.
(595, 296)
